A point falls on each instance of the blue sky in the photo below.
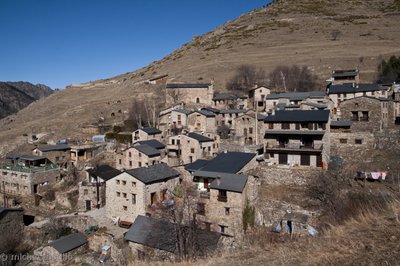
(59, 42)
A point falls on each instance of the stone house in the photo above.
(162, 79)
(25, 174)
(227, 117)
(92, 191)
(257, 97)
(134, 191)
(62, 250)
(146, 133)
(191, 94)
(342, 92)
(156, 239)
(138, 155)
(345, 76)
(79, 154)
(187, 148)
(369, 114)
(293, 99)
(58, 154)
(202, 121)
(174, 121)
(226, 100)
(248, 130)
(223, 191)
(298, 138)
(11, 223)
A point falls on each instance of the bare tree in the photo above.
(145, 112)
(293, 78)
(246, 76)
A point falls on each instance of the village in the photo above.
(190, 185)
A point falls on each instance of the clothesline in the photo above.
(371, 175)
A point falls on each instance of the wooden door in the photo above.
(304, 159)
(319, 160)
(283, 158)
(88, 205)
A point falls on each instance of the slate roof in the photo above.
(196, 165)
(154, 173)
(295, 132)
(3, 211)
(296, 96)
(153, 143)
(105, 172)
(183, 111)
(224, 181)
(68, 243)
(205, 113)
(161, 235)
(260, 117)
(57, 147)
(298, 116)
(349, 88)
(187, 85)
(210, 109)
(316, 105)
(341, 123)
(198, 137)
(233, 111)
(151, 130)
(224, 96)
(147, 150)
(229, 162)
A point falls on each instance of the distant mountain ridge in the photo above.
(15, 96)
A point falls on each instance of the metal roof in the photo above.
(153, 143)
(105, 172)
(228, 162)
(57, 147)
(68, 243)
(198, 137)
(151, 130)
(353, 88)
(147, 150)
(154, 173)
(298, 116)
(161, 234)
(187, 85)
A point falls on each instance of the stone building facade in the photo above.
(146, 133)
(298, 138)
(257, 97)
(58, 154)
(199, 95)
(248, 129)
(202, 121)
(187, 148)
(293, 99)
(227, 117)
(138, 156)
(25, 175)
(134, 191)
(369, 114)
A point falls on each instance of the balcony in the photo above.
(29, 169)
(295, 147)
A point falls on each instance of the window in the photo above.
(133, 184)
(365, 116)
(118, 194)
(124, 195)
(285, 126)
(172, 141)
(201, 208)
(133, 198)
(354, 116)
(343, 141)
(250, 130)
(192, 150)
(130, 163)
(118, 182)
(140, 154)
(227, 210)
(57, 158)
(125, 208)
(197, 100)
(140, 164)
(120, 161)
(222, 229)
(297, 126)
(141, 255)
(124, 182)
(222, 196)
(130, 154)
(85, 192)
(358, 141)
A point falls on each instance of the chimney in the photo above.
(218, 180)
(225, 151)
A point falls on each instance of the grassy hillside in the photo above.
(321, 34)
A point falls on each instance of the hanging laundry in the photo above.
(375, 175)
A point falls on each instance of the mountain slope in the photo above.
(321, 34)
(17, 95)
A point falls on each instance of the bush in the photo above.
(249, 216)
